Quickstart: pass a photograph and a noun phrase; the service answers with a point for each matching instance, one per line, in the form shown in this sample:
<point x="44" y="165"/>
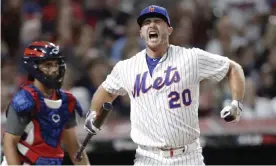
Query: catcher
<point x="41" y="116"/>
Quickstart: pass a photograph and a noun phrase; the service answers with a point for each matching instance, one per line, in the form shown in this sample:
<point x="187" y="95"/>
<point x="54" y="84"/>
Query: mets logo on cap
<point x="151" y="9"/>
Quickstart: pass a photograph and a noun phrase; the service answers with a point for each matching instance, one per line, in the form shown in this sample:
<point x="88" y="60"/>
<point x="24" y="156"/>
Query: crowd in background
<point x="95" y="34"/>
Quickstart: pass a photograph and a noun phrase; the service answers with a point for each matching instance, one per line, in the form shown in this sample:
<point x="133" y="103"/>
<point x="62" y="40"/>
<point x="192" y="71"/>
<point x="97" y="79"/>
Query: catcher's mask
<point x="41" y="51"/>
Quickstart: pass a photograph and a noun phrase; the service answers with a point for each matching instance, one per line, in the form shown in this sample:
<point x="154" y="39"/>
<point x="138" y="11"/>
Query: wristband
<point x="237" y="104"/>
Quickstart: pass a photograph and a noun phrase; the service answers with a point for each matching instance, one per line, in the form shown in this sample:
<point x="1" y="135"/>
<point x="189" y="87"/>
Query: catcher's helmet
<point x="40" y="51"/>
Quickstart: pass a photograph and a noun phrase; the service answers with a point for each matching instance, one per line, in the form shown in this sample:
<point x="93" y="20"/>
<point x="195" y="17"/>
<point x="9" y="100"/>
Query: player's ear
<point x="141" y="34"/>
<point x="170" y="30"/>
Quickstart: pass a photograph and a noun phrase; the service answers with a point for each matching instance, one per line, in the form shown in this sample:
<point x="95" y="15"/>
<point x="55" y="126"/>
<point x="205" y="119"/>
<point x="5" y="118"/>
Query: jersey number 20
<point x="174" y="98"/>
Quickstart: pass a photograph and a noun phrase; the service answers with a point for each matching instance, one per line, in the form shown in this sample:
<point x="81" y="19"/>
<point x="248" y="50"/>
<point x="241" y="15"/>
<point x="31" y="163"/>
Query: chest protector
<point x="41" y="141"/>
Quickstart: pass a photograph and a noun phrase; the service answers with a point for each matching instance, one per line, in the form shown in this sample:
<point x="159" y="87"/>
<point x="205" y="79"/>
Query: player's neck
<point x="42" y="88"/>
<point x="158" y="52"/>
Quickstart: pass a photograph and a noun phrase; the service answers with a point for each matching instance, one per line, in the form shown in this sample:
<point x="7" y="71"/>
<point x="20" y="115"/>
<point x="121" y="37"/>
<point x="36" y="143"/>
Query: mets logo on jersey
<point x="151" y="9"/>
<point x="175" y="98"/>
<point x="171" y="76"/>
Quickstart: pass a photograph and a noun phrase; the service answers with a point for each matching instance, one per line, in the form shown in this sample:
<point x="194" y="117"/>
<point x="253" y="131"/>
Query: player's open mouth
<point x="153" y="35"/>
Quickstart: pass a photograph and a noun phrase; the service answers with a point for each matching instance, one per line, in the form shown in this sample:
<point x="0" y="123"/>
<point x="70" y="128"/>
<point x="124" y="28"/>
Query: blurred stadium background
<point x="95" y="34"/>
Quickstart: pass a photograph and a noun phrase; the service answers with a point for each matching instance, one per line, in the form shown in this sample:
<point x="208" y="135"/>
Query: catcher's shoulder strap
<point x="73" y="103"/>
<point x="71" y="100"/>
<point x="35" y="98"/>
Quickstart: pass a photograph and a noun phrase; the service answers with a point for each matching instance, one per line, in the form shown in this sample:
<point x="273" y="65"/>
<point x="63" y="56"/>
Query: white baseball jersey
<point x="164" y="105"/>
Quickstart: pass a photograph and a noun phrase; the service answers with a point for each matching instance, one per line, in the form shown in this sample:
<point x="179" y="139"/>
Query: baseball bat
<point x="100" y="118"/>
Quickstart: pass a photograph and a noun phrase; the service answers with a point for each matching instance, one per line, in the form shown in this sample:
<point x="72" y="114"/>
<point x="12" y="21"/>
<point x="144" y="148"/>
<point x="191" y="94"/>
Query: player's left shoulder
<point x="180" y="49"/>
<point x="174" y="48"/>
<point x="179" y="52"/>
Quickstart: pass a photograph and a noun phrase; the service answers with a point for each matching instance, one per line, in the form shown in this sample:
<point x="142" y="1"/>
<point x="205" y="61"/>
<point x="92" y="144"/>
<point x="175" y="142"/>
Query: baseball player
<point x="162" y="82"/>
<point x="41" y="116"/>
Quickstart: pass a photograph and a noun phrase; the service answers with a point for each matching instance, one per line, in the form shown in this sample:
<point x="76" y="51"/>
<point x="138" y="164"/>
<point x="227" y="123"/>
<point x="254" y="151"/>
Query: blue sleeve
<point x="22" y="102"/>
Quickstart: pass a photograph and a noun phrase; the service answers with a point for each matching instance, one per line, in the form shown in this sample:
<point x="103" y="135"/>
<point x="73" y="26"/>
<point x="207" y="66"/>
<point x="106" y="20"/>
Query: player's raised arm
<point x="236" y="80"/>
<point x="107" y="92"/>
<point x="216" y="67"/>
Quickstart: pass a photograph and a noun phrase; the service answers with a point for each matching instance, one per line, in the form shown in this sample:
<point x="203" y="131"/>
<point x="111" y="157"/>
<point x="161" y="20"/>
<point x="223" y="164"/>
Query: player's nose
<point x="152" y="24"/>
<point x="54" y="70"/>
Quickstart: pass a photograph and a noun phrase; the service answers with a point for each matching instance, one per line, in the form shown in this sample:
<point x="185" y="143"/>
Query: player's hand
<point x="90" y="118"/>
<point x="232" y="112"/>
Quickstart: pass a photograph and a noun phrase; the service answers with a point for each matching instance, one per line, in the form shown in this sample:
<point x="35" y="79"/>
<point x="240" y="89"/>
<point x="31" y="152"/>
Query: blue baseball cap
<point x="154" y="11"/>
